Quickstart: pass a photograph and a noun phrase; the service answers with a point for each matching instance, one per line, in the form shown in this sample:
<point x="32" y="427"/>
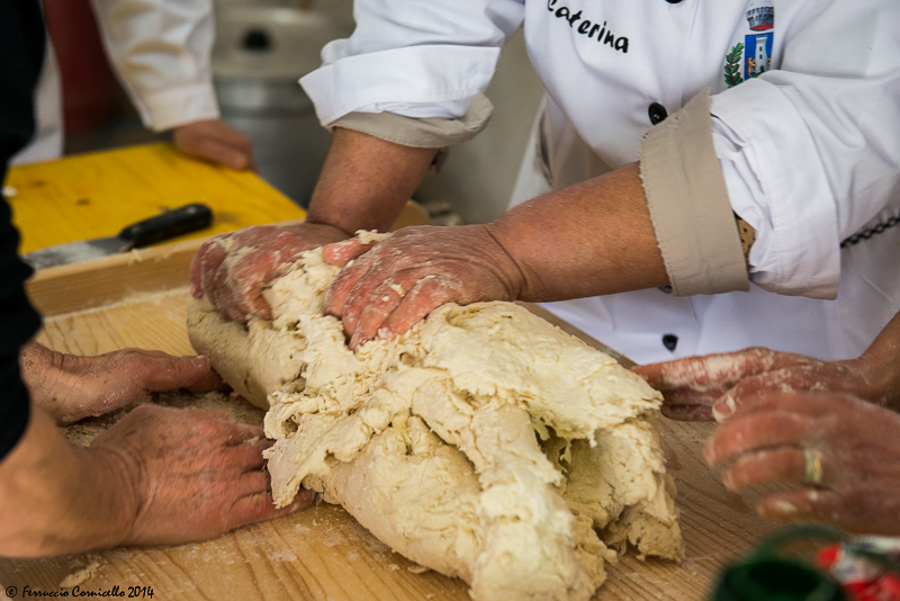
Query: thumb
<point x="341" y="253"/>
<point x="192" y="373"/>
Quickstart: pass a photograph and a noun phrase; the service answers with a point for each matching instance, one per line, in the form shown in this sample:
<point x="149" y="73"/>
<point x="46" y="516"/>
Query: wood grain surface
<point x="97" y="194"/>
<point x="322" y="553"/>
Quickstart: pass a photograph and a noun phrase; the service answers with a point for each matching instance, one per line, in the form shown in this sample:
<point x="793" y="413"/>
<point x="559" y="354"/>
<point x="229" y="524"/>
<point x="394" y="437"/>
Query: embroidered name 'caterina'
<point x="588" y="28"/>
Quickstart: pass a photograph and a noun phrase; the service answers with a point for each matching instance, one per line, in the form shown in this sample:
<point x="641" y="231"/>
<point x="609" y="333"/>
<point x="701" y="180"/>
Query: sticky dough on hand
<point x="485" y="443"/>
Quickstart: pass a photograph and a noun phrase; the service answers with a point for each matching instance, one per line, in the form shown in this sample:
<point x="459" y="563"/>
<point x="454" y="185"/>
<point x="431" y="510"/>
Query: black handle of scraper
<point x="172" y="223"/>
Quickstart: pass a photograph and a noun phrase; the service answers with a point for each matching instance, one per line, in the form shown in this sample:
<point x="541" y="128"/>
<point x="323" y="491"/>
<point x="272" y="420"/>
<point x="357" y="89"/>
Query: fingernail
<point x="728" y="481"/>
<point x="723" y="409"/>
<point x="782" y="509"/>
<point x="709" y="454"/>
<point x="354" y="342"/>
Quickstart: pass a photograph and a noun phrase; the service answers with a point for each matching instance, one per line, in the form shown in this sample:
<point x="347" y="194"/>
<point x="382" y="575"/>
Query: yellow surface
<point x="97" y="194"/>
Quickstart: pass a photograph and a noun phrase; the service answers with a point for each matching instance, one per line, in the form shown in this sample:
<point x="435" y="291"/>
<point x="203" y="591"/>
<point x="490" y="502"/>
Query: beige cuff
<point x="689" y="204"/>
<point x="422" y="133"/>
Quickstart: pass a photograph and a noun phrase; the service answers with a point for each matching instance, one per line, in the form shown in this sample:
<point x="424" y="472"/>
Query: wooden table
<point x="321" y="553"/>
<point x="97" y="194"/>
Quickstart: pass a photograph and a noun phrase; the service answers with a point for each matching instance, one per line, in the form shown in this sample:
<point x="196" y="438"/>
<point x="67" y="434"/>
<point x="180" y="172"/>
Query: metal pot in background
<point x="259" y="54"/>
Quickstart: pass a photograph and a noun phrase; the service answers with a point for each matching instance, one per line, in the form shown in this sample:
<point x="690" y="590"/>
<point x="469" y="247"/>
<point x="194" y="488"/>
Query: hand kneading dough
<point x="485" y="443"/>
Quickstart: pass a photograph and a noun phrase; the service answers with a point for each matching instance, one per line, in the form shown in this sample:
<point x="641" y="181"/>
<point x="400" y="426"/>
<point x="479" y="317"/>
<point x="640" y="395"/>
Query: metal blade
<point x="74" y="252"/>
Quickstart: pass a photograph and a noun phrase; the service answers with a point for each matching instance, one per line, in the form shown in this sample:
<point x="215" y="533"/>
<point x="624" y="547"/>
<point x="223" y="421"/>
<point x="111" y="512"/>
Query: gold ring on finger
<point x="812" y="471"/>
<point x="395" y="287"/>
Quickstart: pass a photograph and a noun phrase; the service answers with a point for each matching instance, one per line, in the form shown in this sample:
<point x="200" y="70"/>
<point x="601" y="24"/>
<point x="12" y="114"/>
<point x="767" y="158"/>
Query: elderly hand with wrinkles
<point x="215" y="141"/>
<point x="364" y="185"/>
<point x="232" y="270"/>
<point x="712" y="386"/>
<point x="840" y="454"/>
<point x="157" y="476"/>
<point x="387" y="287"/>
<point x="828" y="428"/>
<point x="72" y="387"/>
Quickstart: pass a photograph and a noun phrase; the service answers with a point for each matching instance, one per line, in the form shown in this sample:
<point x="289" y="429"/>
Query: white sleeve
<point x="161" y="51"/>
<point x="415" y="58"/>
<point x="811" y="152"/>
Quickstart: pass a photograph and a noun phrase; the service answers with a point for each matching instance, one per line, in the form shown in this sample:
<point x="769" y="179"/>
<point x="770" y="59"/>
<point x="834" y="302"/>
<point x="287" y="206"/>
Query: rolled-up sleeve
<point x="433" y="132"/>
<point x="161" y="51"/>
<point x="689" y="204"/>
<point x="421" y="59"/>
<point x="811" y="152"/>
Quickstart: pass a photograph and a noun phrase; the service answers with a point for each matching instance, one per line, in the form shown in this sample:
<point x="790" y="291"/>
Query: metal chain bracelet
<point x="866" y="234"/>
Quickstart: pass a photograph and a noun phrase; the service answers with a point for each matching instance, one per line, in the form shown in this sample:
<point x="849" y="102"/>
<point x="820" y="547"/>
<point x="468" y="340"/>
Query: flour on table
<point x="485" y="443"/>
<point x="84" y="571"/>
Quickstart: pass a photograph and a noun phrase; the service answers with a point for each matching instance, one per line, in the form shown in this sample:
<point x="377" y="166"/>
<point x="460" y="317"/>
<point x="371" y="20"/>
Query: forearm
<point x="880" y="366"/>
<point x="366" y="182"/>
<point x="56" y="498"/>
<point x="591" y="238"/>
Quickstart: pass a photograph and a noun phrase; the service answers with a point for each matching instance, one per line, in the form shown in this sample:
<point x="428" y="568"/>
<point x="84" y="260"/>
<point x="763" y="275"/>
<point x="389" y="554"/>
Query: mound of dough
<point x="485" y="443"/>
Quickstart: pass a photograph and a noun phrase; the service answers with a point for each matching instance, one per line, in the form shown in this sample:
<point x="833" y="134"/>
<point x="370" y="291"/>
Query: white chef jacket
<point x="805" y="114"/>
<point x="159" y="49"/>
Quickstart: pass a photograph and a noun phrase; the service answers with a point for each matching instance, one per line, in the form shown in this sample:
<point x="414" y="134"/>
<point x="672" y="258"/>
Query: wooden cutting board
<point x="321" y="553"/>
<point x="97" y="194"/>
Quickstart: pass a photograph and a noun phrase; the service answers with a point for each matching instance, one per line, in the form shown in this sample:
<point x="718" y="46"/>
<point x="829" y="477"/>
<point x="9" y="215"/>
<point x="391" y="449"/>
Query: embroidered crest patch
<point x="753" y="56"/>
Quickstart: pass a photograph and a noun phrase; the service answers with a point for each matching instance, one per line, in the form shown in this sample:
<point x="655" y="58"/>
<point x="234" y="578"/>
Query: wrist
<point x="880" y="378"/>
<point x="58" y="498"/>
<point x="507" y="268"/>
<point x="98" y="505"/>
<point x="365" y="181"/>
<point x="117" y="478"/>
<point x="327" y="231"/>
